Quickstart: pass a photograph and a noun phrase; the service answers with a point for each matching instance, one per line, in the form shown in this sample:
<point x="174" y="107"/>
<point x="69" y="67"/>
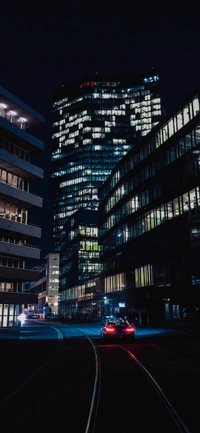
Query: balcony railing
<point x="15" y="150"/>
<point x="20" y="184"/>
<point x="16" y="218"/>
<point x="12" y="117"/>
<point x="17" y="242"/>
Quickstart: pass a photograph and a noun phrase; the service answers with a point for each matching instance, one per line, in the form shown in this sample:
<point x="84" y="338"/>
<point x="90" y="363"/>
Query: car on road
<point x="32" y="316"/>
<point x="118" y="329"/>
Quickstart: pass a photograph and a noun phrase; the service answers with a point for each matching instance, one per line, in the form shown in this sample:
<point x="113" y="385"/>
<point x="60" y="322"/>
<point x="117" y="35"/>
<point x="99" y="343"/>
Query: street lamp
<point x="105" y="306"/>
<point x="93" y="309"/>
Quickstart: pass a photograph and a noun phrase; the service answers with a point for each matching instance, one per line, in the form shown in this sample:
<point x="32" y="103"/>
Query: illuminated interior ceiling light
<point x="22" y="119"/>
<point x="3" y="105"/>
<point x="12" y="113"/>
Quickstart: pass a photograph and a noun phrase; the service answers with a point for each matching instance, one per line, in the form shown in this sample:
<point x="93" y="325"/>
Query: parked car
<point x="118" y="329"/>
<point x="31" y="315"/>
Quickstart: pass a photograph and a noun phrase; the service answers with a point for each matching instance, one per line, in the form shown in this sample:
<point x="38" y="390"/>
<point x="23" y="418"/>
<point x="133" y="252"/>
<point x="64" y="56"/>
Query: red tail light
<point x="130" y="329"/>
<point x="109" y="329"/>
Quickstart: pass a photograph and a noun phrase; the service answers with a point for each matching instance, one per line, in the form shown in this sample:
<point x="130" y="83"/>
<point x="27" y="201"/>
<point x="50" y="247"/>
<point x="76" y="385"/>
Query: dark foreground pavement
<point x="53" y="381"/>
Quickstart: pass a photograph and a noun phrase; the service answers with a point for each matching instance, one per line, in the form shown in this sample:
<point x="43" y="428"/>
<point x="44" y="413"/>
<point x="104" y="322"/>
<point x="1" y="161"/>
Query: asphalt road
<point x="41" y="330"/>
<point x="47" y="382"/>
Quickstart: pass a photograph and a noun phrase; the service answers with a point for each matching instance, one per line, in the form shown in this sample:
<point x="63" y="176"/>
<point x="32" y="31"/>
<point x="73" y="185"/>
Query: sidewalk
<point x="10" y="330"/>
<point x="177" y="324"/>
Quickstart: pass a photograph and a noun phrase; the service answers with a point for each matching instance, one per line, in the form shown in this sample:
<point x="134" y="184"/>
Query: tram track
<point x="179" y="424"/>
<point x="114" y="370"/>
<point x="13" y="402"/>
<point x="182" y="427"/>
<point x="171" y="416"/>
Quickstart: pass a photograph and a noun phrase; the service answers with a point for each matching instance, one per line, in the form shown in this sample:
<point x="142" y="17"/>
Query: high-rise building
<point x="17" y="175"/>
<point x="96" y="121"/>
<point x="149" y="227"/>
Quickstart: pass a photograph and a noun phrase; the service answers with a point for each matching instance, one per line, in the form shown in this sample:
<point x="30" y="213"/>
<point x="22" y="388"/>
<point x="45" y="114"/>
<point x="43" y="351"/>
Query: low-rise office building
<point x="47" y="285"/>
<point x="17" y="176"/>
<point x="149" y="221"/>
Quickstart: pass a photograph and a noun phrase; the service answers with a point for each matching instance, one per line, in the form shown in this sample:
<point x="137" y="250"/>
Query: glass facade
<point x="135" y="195"/>
<point x="149" y="220"/>
<point x="95" y="124"/>
<point x="79" y="255"/>
<point x="9" y="314"/>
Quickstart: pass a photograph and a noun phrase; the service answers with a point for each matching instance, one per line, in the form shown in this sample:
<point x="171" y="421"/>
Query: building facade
<point x="47" y="285"/>
<point x="96" y="121"/>
<point x="149" y="225"/>
<point x="17" y="175"/>
<point x="79" y="258"/>
<point x="149" y="221"/>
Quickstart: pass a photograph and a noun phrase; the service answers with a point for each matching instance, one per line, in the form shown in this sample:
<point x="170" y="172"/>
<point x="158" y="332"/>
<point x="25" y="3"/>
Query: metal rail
<point x="174" y="414"/>
<point x="91" y="421"/>
<point x="90" y="426"/>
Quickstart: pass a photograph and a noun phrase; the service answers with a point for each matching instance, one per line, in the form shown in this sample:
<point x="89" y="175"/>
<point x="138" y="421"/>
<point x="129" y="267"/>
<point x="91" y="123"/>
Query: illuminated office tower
<point x="96" y="121"/>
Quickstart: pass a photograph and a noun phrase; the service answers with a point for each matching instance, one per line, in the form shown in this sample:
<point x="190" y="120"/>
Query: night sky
<point x="45" y="46"/>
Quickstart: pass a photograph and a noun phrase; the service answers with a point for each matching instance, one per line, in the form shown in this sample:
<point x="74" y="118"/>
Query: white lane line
<point x="60" y="334"/>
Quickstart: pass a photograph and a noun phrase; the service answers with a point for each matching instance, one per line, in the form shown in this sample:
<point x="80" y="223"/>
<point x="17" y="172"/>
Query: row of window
<point x="16" y="287"/>
<point x="11" y="116"/>
<point x="106" y="150"/>
<point x="12" y="212"/>
<point x="11" y="262"/>
<point x="12" y="148"/>
<point x="73" y="119"/>
<point x="65" y="129"/>
<point x="90" y="267"/>
<point x="188" y="112"/>
<point x="160" y="274"/>
<point x="89" y="246"/>
<point x="77" y="292"/>
<point x="144" y="276"/>
<point x="88" y="231"/>
<point x="11" y="239"/>
<point x="9" y="314"/>
<point x="13" y="180"/>
<point x="157" y="216"/>
<point x="168" y="130"/>
<point x="150" y="169"/>
<point x="82" y="179"/>
<point x="117" y="93"/>
<point x="115" y="283"/>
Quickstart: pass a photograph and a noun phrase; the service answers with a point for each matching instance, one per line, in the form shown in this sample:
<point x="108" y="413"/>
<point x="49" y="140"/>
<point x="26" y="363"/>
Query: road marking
<point x="60" y="334"/>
